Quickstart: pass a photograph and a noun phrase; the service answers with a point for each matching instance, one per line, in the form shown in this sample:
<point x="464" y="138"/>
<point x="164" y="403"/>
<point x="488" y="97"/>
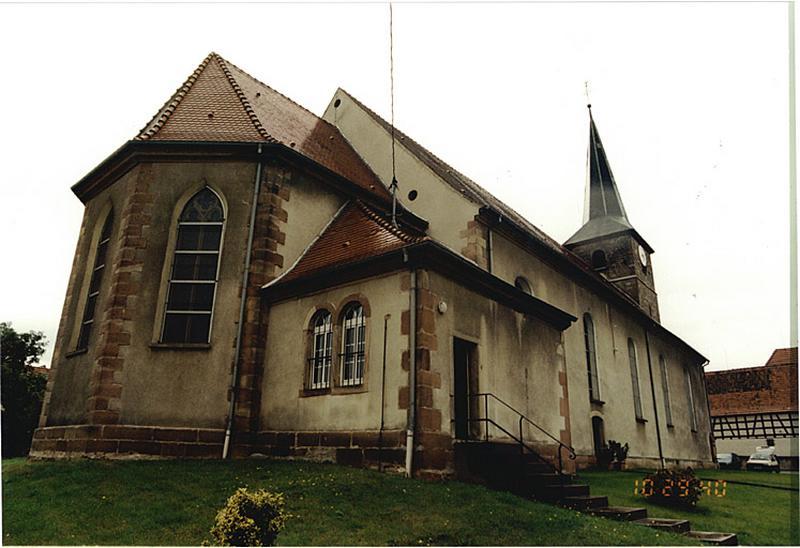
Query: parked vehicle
<point x="730" y="461"/>
<point x="763" y="460"/>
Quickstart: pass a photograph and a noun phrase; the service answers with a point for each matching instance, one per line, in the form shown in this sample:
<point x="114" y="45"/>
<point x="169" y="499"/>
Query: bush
<point x="250" y="519"/>
<point x="673" y="488"/>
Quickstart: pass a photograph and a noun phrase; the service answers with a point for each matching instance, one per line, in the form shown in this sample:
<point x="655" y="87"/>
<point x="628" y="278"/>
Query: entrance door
<point x="464" y="386"/>
<point x="599" y="435"/>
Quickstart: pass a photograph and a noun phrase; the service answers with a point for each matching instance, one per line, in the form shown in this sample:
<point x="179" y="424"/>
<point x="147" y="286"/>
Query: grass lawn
<point x="758" y="515"/>
<point x="174" y="503"/>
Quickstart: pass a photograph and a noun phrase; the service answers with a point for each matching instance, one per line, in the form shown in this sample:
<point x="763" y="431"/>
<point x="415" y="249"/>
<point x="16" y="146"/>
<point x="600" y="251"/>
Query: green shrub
<point x="673" y="488"/>
<point x="250" y="519"/>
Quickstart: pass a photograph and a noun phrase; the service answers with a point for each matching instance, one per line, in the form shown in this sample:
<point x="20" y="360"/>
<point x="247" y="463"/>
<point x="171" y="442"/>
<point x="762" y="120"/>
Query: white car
<point x="763" y="460"/>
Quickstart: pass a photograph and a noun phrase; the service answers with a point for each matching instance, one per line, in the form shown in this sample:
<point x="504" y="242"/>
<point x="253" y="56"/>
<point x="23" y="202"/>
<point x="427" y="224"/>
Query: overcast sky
<point x="691" y="101"/>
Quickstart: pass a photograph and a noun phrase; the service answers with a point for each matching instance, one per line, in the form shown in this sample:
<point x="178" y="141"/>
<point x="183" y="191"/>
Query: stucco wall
<point x="612" y="330"/>
<point x="447" y="210"/>
<point x="519" y="359"/>
<point x="70" y="383"/>
<point x="284" y="404"/>
<point x="167" y="387"/>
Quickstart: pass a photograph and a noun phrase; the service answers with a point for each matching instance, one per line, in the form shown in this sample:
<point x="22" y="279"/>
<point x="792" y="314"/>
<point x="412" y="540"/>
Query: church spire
<point x="604" y="213"/>
<point x="603" y="196"/>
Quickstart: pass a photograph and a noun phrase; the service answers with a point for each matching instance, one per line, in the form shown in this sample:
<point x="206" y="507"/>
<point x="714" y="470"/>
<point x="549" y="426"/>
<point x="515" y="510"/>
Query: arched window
<point x="599" y="260"/>
<point x="523" y="285"/>
<point x="637" y="396"/>
<point x="690" y="390"/>
<point x="94" y="285"/>
<point x="665" y="386"/>
<point x="598" y="435"/>
<point x="353" y="333"/>
<point x="319" y="364"/>
<point x="591" y="357"/>
<point x="195" y="265"/>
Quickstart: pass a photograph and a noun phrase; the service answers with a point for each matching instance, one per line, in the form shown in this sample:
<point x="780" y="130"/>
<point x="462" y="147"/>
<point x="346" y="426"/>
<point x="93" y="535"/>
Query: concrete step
<point x="545" y="479"/>
<point x="584" y="502"/>
<point x="558" y="492"/>
<point x="537" y="467"/>
<point x="672" y="525"/>
<point x="622" y="513"/>
<point x="718" y="539"/>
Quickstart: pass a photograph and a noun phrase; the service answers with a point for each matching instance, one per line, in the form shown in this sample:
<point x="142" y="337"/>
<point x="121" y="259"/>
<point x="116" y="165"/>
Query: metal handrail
<point x="522" y="418"/>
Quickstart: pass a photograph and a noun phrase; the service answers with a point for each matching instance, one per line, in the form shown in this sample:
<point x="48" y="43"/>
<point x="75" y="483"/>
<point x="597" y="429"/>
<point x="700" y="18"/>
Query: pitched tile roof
<point x="356" y="233"/>
<point x="768" y="388"/>
<point x="783" y="356"/>
<point x="219" y="102"/>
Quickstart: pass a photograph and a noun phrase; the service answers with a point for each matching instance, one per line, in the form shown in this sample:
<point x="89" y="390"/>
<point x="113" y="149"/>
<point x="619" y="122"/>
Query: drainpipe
<point x="383" y="392"/>
<point x="711" y="441"/>
<point x="489" y="249"/>
<point x="412" y="370"/>
<point x="653" y="393"/>
<point x="245" y="279"/>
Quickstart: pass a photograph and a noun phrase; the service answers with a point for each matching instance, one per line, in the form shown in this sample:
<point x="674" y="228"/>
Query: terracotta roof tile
<point x="767" y="388"/>
<point x="356" y="233"/>
<point x="220" y="102"/>
<point x="206" y="108"/>
<point x="783" y="356"/>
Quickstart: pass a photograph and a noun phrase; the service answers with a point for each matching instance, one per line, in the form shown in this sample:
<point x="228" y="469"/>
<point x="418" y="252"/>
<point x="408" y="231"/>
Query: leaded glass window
<point x="94" y="285"/>
<point x="637" y="396"/>
<point x="591" y="357"/>
<point x="353" y="334"/>
<point x="195" y="266"/>
<point x="665" y="384"/>
<point x="319" y="372"/>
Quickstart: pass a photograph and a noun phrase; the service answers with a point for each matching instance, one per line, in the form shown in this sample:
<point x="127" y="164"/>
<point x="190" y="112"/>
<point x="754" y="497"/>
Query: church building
<point x="248" y="280"/>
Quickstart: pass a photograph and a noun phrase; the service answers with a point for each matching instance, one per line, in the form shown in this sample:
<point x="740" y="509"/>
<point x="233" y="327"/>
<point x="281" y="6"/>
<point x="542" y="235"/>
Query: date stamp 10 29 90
<point x="680" y="488"/>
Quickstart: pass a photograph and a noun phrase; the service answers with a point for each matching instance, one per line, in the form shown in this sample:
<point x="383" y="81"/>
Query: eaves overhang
<point x="574" y="267"/>
<point x="428" y="255"/>
<point x="134" y="152"/>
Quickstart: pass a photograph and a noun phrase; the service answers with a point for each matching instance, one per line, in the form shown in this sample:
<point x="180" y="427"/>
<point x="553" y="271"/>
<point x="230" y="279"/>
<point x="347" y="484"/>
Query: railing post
<point x="486" y="416"/>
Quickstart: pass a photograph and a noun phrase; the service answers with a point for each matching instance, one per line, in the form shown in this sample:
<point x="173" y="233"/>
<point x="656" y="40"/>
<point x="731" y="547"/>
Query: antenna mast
<point x="393" y="186"/>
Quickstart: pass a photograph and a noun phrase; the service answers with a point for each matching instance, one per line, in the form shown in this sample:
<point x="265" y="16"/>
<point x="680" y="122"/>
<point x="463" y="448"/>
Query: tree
<point x="22" y="388"/>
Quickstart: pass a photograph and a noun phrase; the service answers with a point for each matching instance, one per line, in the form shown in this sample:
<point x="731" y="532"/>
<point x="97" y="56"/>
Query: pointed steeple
<point x="604" y="213"/>
<point x="604" y="199"/>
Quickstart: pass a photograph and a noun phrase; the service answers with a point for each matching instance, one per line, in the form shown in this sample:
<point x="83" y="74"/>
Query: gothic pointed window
<point x="591" y="357"/>
<point x="690" y="391"/>
<point x="319" y="364"/>
<point x="195" y="266"/>
<point x="637" y="395"/>
<point x="353" y="339"/>
<point x="98" y="270"/>
<point x="665" y="387"/>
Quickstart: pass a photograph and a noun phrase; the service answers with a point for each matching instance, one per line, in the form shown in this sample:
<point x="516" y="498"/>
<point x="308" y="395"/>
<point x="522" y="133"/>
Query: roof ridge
<point x="157" y="122"/>
<point x="386" y="224"/>
<point x="223" y="64"/>
<point x="279" y="93"/>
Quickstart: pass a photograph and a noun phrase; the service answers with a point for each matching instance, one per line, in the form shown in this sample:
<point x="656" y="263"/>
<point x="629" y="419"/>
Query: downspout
<point x="245" y="280"/>
<point x="412" y="369"/>
<point x="653" y="394"/>
<point x="711" y="442"/>
<point x="489" y="249"/>
<point x="383" y="392"/>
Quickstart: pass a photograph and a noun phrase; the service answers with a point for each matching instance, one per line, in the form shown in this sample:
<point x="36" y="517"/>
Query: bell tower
<point x="607" y="240"/>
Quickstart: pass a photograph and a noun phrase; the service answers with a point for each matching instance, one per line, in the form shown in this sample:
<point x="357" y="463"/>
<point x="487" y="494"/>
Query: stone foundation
<point x="120" y="441"/>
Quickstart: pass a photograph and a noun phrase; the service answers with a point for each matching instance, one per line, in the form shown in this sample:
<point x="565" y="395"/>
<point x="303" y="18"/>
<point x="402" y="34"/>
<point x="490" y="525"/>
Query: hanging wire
<point x="393" y="186"/>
